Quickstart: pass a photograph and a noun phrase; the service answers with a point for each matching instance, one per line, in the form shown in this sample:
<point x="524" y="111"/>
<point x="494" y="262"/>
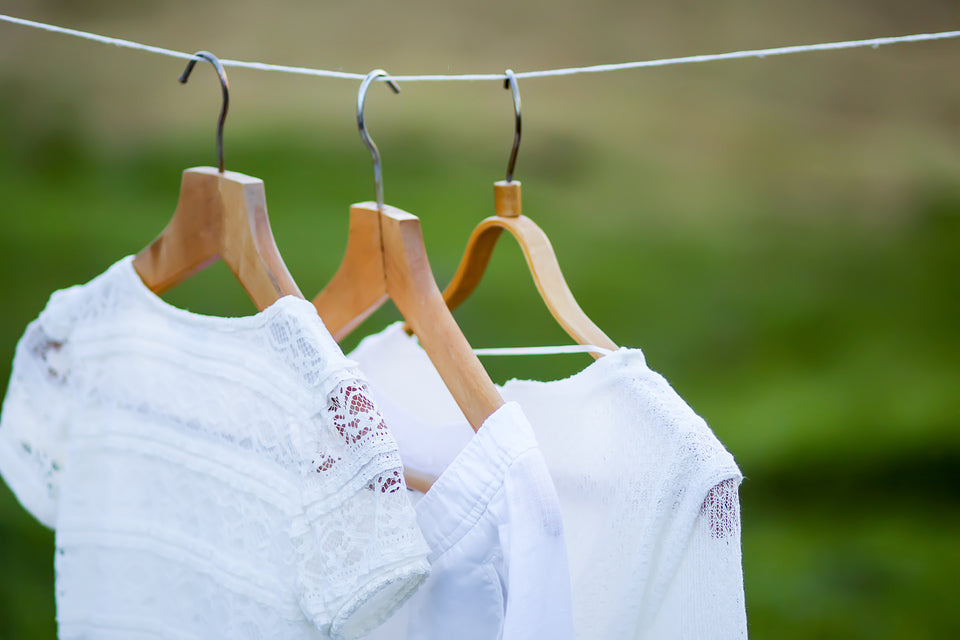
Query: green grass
<point x="853" y="572"/>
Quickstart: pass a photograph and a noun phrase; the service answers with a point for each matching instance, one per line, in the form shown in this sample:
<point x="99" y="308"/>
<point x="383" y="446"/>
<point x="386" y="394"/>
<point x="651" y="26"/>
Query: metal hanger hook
<point x="511" y="83"/>
<point x="225" y="88"/>
<point x="367" y="140"/>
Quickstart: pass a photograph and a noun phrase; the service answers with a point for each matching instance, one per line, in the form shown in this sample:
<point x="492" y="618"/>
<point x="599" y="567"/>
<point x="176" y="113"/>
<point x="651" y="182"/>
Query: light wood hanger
<point x="536" y="247"/>
<point x="359" y="286"/>
<point x="541" y="260"/>
<point x="220" y="214"/>
<point x="385" y="257"/>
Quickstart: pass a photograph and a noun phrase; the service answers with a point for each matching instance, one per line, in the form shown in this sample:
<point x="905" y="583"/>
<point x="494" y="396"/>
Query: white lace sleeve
<point x="705" y="598"/>
<point x="33" y="425"/>
<point x="361" y="553"/>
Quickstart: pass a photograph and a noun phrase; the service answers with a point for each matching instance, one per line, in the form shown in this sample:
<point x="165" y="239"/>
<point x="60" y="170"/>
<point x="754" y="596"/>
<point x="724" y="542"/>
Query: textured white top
<point x="647" y="492"/>
<point x="499" y="566"/>
<point x="207" y="477"/>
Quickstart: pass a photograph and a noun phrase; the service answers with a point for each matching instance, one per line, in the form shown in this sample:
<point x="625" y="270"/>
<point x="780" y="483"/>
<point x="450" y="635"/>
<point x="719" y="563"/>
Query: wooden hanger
<point x="220" y="214"/>
<point x="541" y="259"/>
<point x="385" y="257"/>
<point x="359" y="287"/>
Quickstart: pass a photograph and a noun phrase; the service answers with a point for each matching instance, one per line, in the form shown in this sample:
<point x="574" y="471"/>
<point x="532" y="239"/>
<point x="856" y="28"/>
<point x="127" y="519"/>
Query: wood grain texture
<point x="359" y="286"/>
<point x="218" y="215"/>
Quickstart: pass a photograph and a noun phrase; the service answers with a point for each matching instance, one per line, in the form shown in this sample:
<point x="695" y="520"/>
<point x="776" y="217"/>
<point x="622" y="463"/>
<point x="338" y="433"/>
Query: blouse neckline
<point x="184" y="316"/>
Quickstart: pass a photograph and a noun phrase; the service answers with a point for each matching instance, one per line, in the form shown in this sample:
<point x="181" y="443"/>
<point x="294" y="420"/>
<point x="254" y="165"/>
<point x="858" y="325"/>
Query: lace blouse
<point x="207" y="477"/>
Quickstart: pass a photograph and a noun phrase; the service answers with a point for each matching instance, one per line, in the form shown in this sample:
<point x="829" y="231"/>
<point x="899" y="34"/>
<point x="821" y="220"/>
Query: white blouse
<point x="499" y="562"/>
<point x="207" y="477"/>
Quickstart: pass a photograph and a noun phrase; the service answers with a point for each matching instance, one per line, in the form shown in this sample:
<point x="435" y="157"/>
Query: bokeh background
<point x="781" y="237"/>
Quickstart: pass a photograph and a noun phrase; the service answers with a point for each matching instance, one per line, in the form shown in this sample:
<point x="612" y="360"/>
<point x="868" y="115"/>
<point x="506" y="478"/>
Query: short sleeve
<point x="34" y="421"/>
<point x="360" y="551"/>
<point x="705" y="597"/>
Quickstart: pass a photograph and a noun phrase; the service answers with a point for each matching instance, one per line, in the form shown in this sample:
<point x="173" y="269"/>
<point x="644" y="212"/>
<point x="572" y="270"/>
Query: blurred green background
<point x="781" y="237"/>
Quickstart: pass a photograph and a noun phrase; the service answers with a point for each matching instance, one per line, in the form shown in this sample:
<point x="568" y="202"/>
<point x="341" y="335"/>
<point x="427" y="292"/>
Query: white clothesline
<point x="754" y="53"/>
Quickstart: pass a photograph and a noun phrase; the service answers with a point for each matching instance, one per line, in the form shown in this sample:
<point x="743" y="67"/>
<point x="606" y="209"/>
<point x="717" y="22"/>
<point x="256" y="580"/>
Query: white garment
<point x="207" y="477"/>
<point x="648" y="494"/>
<point x="499" y="568"/>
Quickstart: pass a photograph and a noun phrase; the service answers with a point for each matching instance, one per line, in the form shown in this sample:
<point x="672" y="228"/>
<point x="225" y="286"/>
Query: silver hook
<point x="361" y="97"/>
<point x="511" y="83"/>
<point x="225" y="88"/>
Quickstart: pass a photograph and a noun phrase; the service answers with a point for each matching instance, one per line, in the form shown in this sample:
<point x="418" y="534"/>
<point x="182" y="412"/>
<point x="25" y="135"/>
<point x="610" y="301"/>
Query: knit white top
<point x="648" y="494"/>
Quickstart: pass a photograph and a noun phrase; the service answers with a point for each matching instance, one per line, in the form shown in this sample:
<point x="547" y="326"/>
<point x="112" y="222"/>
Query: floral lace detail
<point x="391" y="482"/>
<point x="354" y="415"/>
<point x="358" y="449"/>
<point x="356" y="418"/>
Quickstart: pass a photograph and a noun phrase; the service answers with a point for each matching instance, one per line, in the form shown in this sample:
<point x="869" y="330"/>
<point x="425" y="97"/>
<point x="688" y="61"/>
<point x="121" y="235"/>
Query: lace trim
<point x="359" y="424"/>
<point x="722" y="509"/>
<point x="375" y="601"/>
<point x="35" y="409"/>
<point x="354" y="415"/>
<point x="379" y="546"/>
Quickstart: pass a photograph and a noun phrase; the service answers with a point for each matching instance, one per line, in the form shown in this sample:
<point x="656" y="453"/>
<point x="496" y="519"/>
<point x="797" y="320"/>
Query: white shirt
<point x="499" y="568"/>
<point x="206" y="477"/>
<point x="648" y="494"/>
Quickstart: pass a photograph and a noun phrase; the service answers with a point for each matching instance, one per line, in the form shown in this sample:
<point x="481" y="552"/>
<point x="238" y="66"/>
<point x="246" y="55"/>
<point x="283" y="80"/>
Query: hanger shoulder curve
<point x="359" y="286"/>
<point x="543" y="265"/>
<point x="218" y="215"/>
<point x="411" y="285"/>
<point x="191" y="239"/>
<point x="248" y="246"/>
